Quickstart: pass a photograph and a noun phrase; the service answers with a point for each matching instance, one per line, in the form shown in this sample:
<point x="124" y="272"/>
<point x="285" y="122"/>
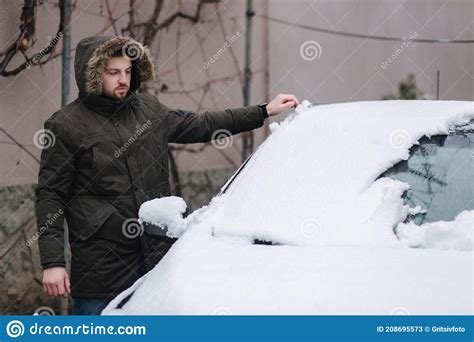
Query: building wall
<point x="348" y="69"/>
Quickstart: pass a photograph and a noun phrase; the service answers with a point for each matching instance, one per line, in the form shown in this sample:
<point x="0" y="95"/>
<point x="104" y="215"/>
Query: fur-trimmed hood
<point x="91" y="57"/>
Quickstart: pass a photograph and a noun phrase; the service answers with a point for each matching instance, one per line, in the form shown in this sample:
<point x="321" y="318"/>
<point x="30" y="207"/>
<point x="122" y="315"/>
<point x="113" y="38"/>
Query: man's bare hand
<point x="56" y="281"/>
<point x="281" y="103"/>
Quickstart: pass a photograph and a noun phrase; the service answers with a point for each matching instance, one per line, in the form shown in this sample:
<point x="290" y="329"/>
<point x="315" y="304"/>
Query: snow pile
<point x="455" y="234"/>
<point x="165" y="212"/>
<point x="312" y="182"/>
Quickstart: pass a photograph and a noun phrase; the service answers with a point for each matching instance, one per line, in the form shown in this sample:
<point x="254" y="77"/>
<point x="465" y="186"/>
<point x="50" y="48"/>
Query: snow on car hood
<point x="313" y="180"/>
<point x="205" y="275"/>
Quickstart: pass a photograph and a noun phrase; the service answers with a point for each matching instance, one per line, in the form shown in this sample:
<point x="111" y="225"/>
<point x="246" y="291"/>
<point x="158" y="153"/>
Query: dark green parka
<point x="105" y="158"/>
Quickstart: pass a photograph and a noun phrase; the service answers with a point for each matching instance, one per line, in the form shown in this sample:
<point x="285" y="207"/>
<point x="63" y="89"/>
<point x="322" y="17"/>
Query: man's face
<point x="116" y="77"/>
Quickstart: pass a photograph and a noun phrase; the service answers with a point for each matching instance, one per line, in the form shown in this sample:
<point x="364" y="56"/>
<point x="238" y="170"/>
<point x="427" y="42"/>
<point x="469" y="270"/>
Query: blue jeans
<point x="88" y="306"/>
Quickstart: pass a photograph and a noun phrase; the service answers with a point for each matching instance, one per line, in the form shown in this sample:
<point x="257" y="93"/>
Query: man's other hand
<point x="56" y="281"/>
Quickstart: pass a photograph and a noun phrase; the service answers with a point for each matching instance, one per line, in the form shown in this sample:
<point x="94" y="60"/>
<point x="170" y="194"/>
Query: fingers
<point x="288" y="105"/>
<point x="55" y="290"/>
<point x="67" y="284"/>
<point x="60" y="288"/>
<point x="49" y="290"/>
<point x="282" y="102"/>
<point x="289" y="97"/>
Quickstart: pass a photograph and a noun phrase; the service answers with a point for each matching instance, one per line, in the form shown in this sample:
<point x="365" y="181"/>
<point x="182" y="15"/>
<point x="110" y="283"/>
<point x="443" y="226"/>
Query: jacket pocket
<point x="97" y="221"/>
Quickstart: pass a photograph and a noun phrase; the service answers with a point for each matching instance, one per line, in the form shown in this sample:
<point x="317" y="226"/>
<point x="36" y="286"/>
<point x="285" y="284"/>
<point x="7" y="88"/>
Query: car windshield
<point x="439" y="172"/>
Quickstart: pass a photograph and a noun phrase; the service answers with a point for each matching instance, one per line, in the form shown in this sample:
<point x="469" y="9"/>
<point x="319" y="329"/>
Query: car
<point x="360" y="208"/>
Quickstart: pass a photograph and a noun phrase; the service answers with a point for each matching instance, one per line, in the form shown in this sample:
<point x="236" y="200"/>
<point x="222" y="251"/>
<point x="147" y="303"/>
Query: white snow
<point x="311" y="187"/>
<point x="165" y="212"/>
<point x="312" y="182"/>
<point x="207" y="275"/>
<point x="455" y="234"/>
<point x="416" y="210"/>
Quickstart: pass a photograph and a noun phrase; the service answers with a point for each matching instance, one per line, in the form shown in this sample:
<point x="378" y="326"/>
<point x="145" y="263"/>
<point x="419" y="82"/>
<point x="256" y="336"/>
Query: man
<point x="109" y="155"/>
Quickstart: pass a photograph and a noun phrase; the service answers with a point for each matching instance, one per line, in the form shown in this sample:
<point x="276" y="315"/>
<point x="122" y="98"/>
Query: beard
<point x="120" y="92"/>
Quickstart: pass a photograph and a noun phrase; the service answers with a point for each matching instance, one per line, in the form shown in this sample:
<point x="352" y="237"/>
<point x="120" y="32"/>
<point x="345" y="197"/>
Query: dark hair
<point x="118" y="53"/>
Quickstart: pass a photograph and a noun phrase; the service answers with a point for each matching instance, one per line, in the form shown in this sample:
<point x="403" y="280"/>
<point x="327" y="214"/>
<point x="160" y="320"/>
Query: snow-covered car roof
<point x="313" y="189"/>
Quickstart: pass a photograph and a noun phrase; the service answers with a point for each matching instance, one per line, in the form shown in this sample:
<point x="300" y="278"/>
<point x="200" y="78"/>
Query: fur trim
<point x="130" y="47"/>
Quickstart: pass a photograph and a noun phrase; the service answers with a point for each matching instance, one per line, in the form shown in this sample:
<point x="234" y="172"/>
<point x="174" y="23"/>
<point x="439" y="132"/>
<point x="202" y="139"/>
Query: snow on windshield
<point x="313" y="181"/>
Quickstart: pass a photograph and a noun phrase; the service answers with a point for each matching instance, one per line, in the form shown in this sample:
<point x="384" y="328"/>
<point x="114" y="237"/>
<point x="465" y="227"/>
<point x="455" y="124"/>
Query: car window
<point x="440" y="173"/>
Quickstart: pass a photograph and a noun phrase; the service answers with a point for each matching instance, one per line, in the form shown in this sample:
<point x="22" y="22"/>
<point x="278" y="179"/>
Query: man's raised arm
<point x="189" y="127"/>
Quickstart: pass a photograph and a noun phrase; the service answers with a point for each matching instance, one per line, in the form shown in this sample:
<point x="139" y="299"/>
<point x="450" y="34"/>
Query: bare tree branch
<point x="26" y="39"/>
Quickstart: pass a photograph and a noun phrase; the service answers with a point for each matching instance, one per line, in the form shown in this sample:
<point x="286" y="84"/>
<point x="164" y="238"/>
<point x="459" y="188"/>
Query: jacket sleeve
<point x="188" y="127"/>
<point x="54" y="180"/>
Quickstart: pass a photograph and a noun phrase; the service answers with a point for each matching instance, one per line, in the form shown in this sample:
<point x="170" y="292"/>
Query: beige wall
<point x="347" y="70"/>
